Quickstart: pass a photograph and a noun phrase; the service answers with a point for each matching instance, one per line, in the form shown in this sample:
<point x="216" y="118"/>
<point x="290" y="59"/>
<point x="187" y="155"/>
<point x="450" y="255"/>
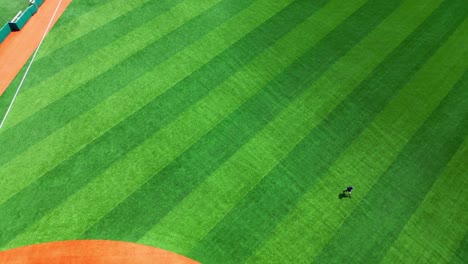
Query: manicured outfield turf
<point x="9" y="8"/>
<point x="225" y="130"/>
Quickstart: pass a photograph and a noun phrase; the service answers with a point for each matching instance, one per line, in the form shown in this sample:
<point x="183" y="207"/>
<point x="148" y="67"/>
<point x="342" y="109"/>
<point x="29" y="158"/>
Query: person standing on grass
<point x="348" y="190"/>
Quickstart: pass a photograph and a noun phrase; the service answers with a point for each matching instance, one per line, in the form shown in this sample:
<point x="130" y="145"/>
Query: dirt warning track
<point x="16" y="49"/>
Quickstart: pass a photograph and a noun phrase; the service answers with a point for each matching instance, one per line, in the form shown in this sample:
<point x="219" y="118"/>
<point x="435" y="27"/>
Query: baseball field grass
<point x="9" y="8"/>
<point x="226" y="130"/>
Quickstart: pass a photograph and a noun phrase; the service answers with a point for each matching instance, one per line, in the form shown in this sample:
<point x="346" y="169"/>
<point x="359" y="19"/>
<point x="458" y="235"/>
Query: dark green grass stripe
<point x="255" y="217"/>
<point x="168" y="187"/>
<point x="87" y="44"/>
<point x="461" y="255"/>
<point x="396" y="196"/>
<point x="110" y="82"/>
<point x="44" y="194"/>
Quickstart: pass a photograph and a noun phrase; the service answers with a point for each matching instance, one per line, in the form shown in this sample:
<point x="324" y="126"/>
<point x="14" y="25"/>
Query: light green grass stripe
<point x="65" y="33"/>
<point x="159" y="150"/>
<point x="49" y="152"/>
<point x="103" y="59"/>
<point x="378" y="145"/>
<point x="441" y="217"/>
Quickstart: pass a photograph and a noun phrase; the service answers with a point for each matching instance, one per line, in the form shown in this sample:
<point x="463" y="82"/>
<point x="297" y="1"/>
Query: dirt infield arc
<point x="16" y="49"/>
<point x="91" y="251"/>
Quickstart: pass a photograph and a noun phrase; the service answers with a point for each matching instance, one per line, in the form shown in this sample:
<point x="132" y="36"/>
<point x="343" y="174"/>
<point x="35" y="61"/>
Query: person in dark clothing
<point x="348" y="191"/>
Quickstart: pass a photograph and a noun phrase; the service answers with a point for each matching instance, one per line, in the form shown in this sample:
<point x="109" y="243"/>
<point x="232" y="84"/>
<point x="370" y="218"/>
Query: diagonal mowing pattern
<point x="45" y="155"/>
<point x="104" y="151"/>
<point x="45" y="121"/>
<point x="104" y="59"/>
<point x="273" y="196"/>
<point x="165" y="145"/>
<point x="160" y="231"/>
<point x="385" y="137"/>
<point x="164" y="191"/>
<point x="220" y="195"/>
<point x="148" y="99"/>
<point x="292" y="15"/>
<point x="68" y="31"/>
<point x="87" y="44"/>
<point x="399" y="191"/>
<point x="41" y="206"/>
<point x="447" y="196"/>
<point x="240" y="231"/>
<point x="221" y="90"/>
<point x="357" y="162"/>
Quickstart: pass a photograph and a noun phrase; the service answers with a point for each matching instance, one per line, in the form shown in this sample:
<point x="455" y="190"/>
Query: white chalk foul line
<point x="30" y="63"/>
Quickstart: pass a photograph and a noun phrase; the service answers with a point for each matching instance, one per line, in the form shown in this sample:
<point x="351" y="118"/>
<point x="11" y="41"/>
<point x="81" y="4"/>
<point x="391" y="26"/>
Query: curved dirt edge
<point x="91" y="251"/>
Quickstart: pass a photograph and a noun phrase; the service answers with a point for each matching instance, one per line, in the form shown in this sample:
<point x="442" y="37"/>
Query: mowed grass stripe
<point x="166" y="188"/>
<point x="94" y="40"/>
<point x="146" y="152"/>
<point x="103" y="59"/>
<point x="254" y="218"/>
<point x="301" y="226"/>
<point x="399" y="191"/>
<point x="47" y="120"/>
<point x="76" y="27"/>
<point x="436" y="229"/>
<point x="50" y="152"/>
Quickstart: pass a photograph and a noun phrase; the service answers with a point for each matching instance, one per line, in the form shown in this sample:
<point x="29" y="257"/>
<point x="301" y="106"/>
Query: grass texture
<point x="9" y="8"/>
<point x="226" y="130"/>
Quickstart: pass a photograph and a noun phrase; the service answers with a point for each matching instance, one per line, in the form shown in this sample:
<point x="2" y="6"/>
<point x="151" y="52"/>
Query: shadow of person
<point x="342" y="195"/>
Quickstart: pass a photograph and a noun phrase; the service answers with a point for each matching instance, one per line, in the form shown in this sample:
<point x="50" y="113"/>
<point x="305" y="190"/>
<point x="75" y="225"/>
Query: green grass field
<point x="9" y="8"/>
<point x="225" y="130"/>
